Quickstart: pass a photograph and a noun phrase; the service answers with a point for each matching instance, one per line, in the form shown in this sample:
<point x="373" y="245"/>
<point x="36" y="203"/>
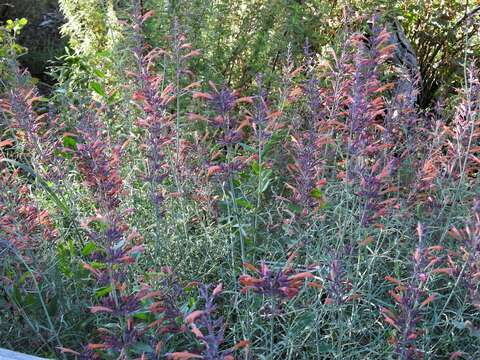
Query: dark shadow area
<point x="41" y="36"/>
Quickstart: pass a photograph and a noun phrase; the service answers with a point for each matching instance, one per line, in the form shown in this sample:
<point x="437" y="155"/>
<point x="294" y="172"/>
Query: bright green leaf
<point x="103" y="291"/>
<point x="95" y="86"/>
<point x="89" y="248"/>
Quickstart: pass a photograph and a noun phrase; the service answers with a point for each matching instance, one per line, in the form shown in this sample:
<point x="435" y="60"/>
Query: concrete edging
<point x="12" y="355"/>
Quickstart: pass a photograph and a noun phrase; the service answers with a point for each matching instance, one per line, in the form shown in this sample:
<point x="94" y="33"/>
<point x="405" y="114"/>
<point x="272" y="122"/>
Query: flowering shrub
<point x="118" y="206"/>
<point x="283" y="284"/>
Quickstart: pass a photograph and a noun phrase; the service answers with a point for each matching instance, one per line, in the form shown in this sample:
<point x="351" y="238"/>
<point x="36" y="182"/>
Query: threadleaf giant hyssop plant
<point x="305" y="207"/>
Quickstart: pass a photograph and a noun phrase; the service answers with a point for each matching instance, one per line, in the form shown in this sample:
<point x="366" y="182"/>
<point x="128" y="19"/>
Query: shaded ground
<point x="41" y="36"/>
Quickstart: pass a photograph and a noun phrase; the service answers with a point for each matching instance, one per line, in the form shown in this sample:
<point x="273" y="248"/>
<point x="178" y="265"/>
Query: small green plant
<point x="10" y="50"/>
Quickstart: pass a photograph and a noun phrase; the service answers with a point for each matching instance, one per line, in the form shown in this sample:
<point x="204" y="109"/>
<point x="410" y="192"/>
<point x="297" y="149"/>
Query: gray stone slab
<point x="12" y="355"/>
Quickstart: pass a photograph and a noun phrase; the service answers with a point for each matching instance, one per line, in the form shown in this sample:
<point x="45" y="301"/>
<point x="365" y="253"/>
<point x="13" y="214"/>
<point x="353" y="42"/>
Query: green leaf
<point x="142" y="316"/>
<point x="98" y="265"/>
<point x="265" y="185"/>
<point x="10" y="24"/>
<point x="294" y="208"/>
<point x="69" y="142"/>
<point x="277" y="137"/>
<point x="64" y="254"/>
<point x="256" y="168"/>
<point x="22" y="278"/>
<point x="95" y="86"/>
<point x="316" y="193"/>
<point x="99" y="73"/>
<point x="266" y="179"/>
<point x="89" y="248"/>
<point x="103" y="291"/>
<point x="245" y="203"/>
<point x="31" y="301"/>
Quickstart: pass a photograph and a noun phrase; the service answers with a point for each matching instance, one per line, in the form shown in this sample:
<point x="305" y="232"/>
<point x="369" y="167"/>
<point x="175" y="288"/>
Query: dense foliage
<point x="244" y="180"/>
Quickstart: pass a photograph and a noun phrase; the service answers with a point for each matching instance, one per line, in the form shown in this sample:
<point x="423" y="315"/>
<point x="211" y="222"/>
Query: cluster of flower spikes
<point x="208" y="329"/>
<point x="411" y="297"/>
